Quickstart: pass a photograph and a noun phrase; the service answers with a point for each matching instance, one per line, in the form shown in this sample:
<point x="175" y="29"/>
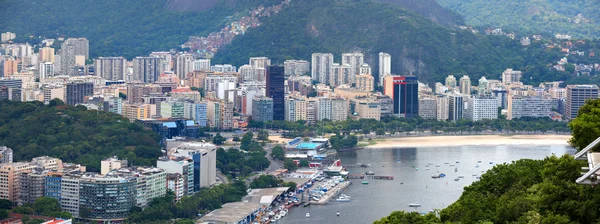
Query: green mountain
<point x="129" y="28"/>
<point x="578" y="18"/>
<point x="417" y="45"/>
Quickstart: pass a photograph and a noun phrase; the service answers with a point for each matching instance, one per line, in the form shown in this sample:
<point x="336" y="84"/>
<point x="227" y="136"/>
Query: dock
<point x="373" y="177"/>
<point x="332" y="193"/>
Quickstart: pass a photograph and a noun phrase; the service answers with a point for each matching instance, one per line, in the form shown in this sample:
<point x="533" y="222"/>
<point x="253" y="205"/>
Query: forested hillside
<point x="417" y="45"/>
<point x="128" y="28"/>
<point x="579" y="18"/>
<point x="74" y="134"/>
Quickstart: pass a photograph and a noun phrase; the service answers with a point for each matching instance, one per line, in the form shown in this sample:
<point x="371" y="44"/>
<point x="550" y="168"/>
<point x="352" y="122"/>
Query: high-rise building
<point x="365" y="82"/>
<point x="576" y="97"/>
<point x="171" y="109"/>
<point x="77" y="91"/>
<point x="483" y="87"/>
<point x="10" y="67"/>
<point x="111" y="68"/>
<point x="204" y="157"/>
<point x="355" y="60"/>
<point x="262" y="109"/>
<point x="46" y="70"/>
<point x="275" y="89"/>
<point x="73" y="53"/>
<point x="176" y="184"/>
<point x="450" y="82"/>
<point x="385" y="66"/>
<point x="183" y="166"/>
<point x="112" y="163"/>
<point x="167" y="60"/>
<point x="6" y="155"/>
<point x="465" y="85"/>
<point x="202" y="65"/>
<point x="147" y="69"/>
<point x="220" y="114"/>
<point x="428" y="108"/>
<point x="365" y="69"/>
<point x="365" y="108"/>
<point x="481" y="107"/>
<point x="46" y="54"/>
<point x="10" y="176"/>
<point x="260" y="62"/>
<point x="106" y="198"/>
<point x="151" y="182"/>
<point x="296" y="67"/>
<point x="138" y="111"/>
<point x="8" y="36"/>
<point x="196" y="111"/>
<point x="529" y="106"/>
<point x="223" y="68"/>
<point x="321" y="67"/>
<point x="455" y="107"/>
<point x="510" y="76"/>
<point x="334" y="109"/>
<point x="442" y="107"/>
<point x="404" y="90"/>
<point x="184" y="63"/>
<point x="296" y="109"/>
<point x="54" y="92"/>
<point x="113" y="105"/>
<point x="340" y="74"/>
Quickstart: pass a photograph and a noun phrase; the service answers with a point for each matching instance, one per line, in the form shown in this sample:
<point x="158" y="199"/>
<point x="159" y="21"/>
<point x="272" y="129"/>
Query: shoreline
<point x="460" y="140"/>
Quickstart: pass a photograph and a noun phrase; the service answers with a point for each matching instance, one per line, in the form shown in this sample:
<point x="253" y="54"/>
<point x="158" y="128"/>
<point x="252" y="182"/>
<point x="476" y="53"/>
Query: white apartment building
<point x="321" y="67"/>
<point x="529" y="106"/>
<point x="385" y="66"/>
<point x="481" y="107"/>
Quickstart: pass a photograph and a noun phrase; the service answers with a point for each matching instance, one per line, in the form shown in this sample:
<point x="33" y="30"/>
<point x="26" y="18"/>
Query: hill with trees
<point x="74" y="134"/>
<point x="577" y="18"/>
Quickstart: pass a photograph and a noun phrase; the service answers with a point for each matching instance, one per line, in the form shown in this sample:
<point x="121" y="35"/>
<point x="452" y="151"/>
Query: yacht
<point x="414" y="205"/>
<point x="307" y="215"/>
<point x="346" y="196"/>
<point x="342" y="198"/>
<point x="338" y="213"/>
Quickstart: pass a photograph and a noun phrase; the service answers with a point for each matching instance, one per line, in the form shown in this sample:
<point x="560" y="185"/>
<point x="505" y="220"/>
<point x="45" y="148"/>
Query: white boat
<point x="346" y="196"/>
<point x="342" y="199"/>
<point x="307" y="215"/>
<point x="283" y="213"/>
<point x="338" y="213"/>
<point x="427" y="168"/>
<point x="277" y="217"/>
<point x="414" y="205"/>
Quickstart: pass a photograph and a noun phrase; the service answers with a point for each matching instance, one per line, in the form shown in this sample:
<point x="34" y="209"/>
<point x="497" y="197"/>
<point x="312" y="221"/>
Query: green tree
<point x="290" y="165"/>
<point x="304" y="163"/>
<point x="263" y="135"/>
<point x="218" y="139"/>
<point x="246" y="140"/>
<point x="3" y="214"/>
<point x="585" y="126"/>
<point x="408" y="217"/>
<point x="278" y="153"/>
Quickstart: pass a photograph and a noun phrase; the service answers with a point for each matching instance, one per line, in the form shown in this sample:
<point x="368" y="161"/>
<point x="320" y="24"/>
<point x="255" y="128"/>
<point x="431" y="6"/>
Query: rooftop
<point x="257" y="196"/>
<point x="231" y="212"/>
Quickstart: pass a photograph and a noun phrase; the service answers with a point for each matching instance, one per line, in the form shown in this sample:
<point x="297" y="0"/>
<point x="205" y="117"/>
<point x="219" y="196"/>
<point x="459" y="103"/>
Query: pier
<point x="332" y="193"/>
<point x="373" y="177"/>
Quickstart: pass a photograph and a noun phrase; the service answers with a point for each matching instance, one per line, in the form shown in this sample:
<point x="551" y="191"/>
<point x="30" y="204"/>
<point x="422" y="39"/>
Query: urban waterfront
<point x="413" y="182"/>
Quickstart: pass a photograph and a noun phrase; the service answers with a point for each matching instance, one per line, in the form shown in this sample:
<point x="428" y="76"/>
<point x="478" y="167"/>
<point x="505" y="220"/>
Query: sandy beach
<point x="432" y="141"/>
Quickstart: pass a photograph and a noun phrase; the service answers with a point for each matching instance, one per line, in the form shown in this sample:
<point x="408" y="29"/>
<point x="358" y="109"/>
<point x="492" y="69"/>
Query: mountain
<point x="129" y="28"/>
<point x="579" y="18"/>
<point x="429" y="9"/>
<point x="417" y="45"/>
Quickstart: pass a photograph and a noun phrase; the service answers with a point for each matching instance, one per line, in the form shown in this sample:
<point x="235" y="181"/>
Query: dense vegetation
<point x="269" y="181"/>
<point x="416" y="44"/>
<point x="43" y="206"/>
<point x="162" y="210"/>
<point x="532" y="16"/>
<point x="116" y="28"/>
<point x="393" y="125"/>
<point x="74" y="134"/>
<point x="241" y="163"/>
<point x="585" y="125"/>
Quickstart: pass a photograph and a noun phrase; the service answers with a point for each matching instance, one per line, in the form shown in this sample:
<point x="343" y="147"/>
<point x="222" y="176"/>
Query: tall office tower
<point x="481" y="107"/>
<point x="365" y="82"/>
<point x="510" y="76"/>
<point x="442" y="107"/>
<point x="77" y="91"/>
<point x="276" y="90"/>
<point x="339" y="74"/>
<point x="202" y="65"/>
<point x="46" y="70"/>
<point x="184" y="63"/>
<point x="321" y="67"/>
<point x="385" y="66"/>
<point x="455" y="107"/>
<point x="576" y="97"/>
<point x="260" y="62"/>
<point x="450" y="81"/>
<point x="404" y="90"/>
<point x="111" y="68"/>
<point x="296" y="67"/>
<point x="483" y="87"/>
<point x="262" y="109"/>
<point x="355" y="60"/>
<point x="167" y="62"/>
<point x="465" y="85"/>
<point x="46" y="54"/>
<point x="147" y="69"/>
<point x="73" y="53"/>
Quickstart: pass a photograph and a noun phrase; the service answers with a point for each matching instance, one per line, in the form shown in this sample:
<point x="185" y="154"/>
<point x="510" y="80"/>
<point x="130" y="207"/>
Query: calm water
<point x="381" y="197"/>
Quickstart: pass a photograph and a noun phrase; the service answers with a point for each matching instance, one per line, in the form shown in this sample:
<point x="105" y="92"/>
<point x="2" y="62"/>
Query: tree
<point x="266" y="181"/>
<point x="408" y="217"/>
<point x="278" y="153"/>
<point x="218" y="139"/>
<point x="246" y="140"/>
<point x="263" y="135"/>
<point x="585" y="126"/>
<point x="3" y="214"/>
<point x="290" y="165"/>
<point x="45" y="205"/>
<point x="304" y="163"/>
<point x="123" y="96"/>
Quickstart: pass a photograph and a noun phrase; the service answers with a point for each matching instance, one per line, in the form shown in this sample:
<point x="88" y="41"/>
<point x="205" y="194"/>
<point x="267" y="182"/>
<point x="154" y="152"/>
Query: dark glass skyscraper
<point x="276" y="91"/>
<point x="404" y="90"/>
